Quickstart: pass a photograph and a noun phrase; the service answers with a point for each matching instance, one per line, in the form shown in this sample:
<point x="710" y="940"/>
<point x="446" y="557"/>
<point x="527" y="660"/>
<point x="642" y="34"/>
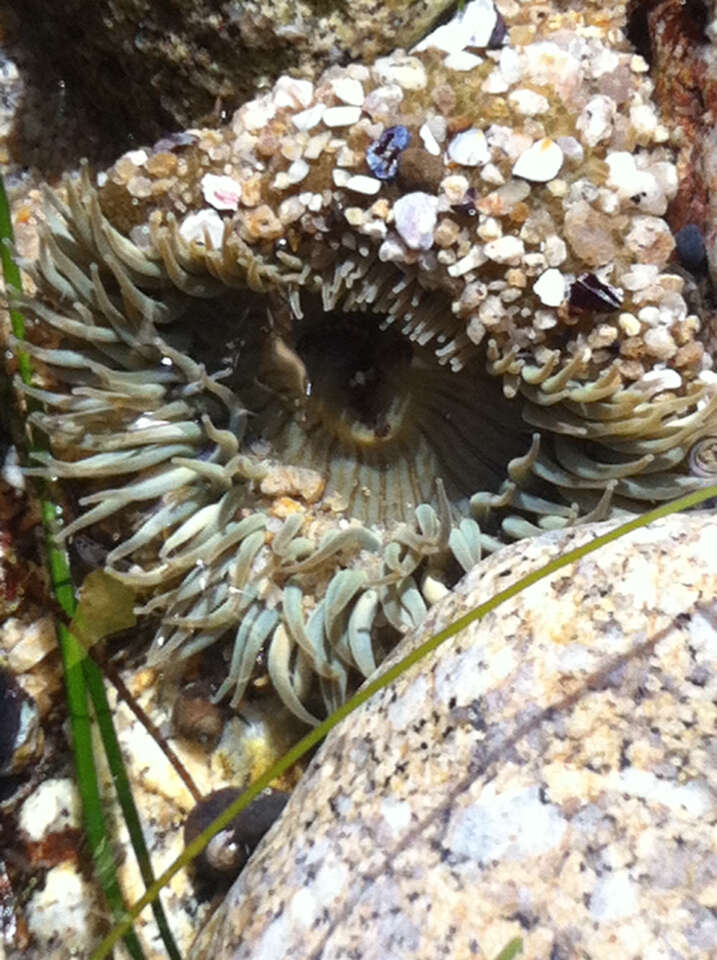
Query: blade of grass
<point x="82" y="674"/>
<point x="96" y="686"/>
<point x="316" y="735"/>
<point x="95" y="827"/>
<point x="511" y="950"/>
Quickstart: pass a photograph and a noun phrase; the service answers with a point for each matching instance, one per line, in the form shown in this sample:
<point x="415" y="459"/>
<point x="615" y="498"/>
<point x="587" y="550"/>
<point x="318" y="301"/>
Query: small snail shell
<point x="227" y="852"/>
<point x="703" y="458"/>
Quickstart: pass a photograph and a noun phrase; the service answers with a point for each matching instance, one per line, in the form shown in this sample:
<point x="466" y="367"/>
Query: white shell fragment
<point x="462" y="61"/>
<point x="550" y="287"/>
<point x="341" y="116"/>
<point x="348" y="90"/>
<point x="469" y="148"/>
<point x="429" y="141"/>
<point x="415" y="216"/>
<point x="360" y="183"/>
<point x="297" y="171"/>
<point x="308" y="119"/>
<point x="528" y="103"/>
<point x="222" y="193"/>
<point x="540" y="162"/>
<point x="471" y="27"/>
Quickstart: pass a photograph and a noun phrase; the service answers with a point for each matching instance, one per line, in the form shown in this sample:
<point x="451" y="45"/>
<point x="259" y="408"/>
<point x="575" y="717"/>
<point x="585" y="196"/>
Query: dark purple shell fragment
<point x="468" y="204"/>
<point x="383" y="155"/>
<point x="590" y="293"/>
<point x="499" y="34"/>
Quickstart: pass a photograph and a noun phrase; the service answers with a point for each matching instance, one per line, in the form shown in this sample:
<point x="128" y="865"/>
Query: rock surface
<point x="133" y="68"/>
<point x="549" y="773"/>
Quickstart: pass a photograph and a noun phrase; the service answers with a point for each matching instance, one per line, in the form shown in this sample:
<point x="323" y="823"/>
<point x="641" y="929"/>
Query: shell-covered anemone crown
<point x="312" y="364"/>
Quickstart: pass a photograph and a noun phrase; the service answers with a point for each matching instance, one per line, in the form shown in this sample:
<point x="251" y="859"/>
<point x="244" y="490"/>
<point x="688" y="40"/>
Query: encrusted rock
<point x="545" y="774"/>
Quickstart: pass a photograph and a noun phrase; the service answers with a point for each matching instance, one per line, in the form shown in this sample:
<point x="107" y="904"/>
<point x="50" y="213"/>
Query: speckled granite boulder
<point x="548" y="774"/>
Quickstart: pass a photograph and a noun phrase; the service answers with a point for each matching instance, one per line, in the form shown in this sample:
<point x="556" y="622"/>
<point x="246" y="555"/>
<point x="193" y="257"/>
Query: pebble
<point x="53" y="807"/>
<point x="408" y="72"/>
<point x="292" y="92"/>
<point x="308" y="119"/>
<point x="554" y="250"/>
<point x="65" y="911"/>
<point x="572" y="149"/>
<point x="589" y="234"/>
<point x="137" y="157"/>
<point x="348" y="90"/>
<point x="24" y="645"/>
<point x="429" y="141"/>
<point x="629" y="324"/>
<point x="506" y="249"/>
<point x="455" y="187"/>
<point x="469" y="148"/>
<point x="528" y="103"/>
<point x="639" y="276"/>
<point x="660" y="343"/>
<point x="341" y="116"/>
<point x="644" y="121"/>
<point x="363" y="184"/>
<point x="317" y="144"/>
<point x="650" y="240"/>
<point x="550" y="287"/>
<point x="475" y="258"/>
<point x="297" y="171"/>
<point x="462" y="61"/>
<point x="221" y="192"/>
<point x="596" y="120"/>
<point x="415" y="217"/>
<point x="637" y="187"/>
<point x="691" y="248"/>
<point x="290" y="210"/>
<point x="540" y="162"/>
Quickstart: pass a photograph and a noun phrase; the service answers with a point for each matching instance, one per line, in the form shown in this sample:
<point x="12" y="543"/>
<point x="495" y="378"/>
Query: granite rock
<point x="549" y="773"/>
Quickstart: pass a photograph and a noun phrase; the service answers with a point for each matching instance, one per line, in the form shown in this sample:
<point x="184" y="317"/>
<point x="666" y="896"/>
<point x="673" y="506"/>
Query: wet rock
<point x="135" y="69"/>
<point x="546" y="774"/>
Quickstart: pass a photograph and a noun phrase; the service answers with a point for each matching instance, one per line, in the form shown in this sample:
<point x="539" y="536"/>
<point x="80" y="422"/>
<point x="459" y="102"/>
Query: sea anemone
<point x="311" y="365"/>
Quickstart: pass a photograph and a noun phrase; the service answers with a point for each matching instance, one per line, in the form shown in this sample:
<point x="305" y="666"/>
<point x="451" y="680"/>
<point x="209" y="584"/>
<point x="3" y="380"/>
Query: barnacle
<point x="302" y="417"/>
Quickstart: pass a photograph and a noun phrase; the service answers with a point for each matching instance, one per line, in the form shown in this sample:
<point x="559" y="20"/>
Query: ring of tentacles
<point x="280" y="457"/>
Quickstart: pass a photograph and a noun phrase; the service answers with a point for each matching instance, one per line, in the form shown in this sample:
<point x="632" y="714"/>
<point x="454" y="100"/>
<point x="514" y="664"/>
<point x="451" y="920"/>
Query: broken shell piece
<point x="550" y="287"/>
<point x="341" y="116"/>
<point x="220" y="192"/>
<point x="469" y="148"/>
<point x="540" y="162"/>
<point x="589" y="292"/>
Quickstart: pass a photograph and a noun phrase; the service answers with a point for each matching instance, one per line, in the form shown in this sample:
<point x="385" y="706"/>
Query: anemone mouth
<point x="375" y="415"/>
<point x="297" y="455"/>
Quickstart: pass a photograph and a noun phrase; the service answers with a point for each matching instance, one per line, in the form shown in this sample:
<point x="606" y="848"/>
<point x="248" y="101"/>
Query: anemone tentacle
<point x="300" y="403"/>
